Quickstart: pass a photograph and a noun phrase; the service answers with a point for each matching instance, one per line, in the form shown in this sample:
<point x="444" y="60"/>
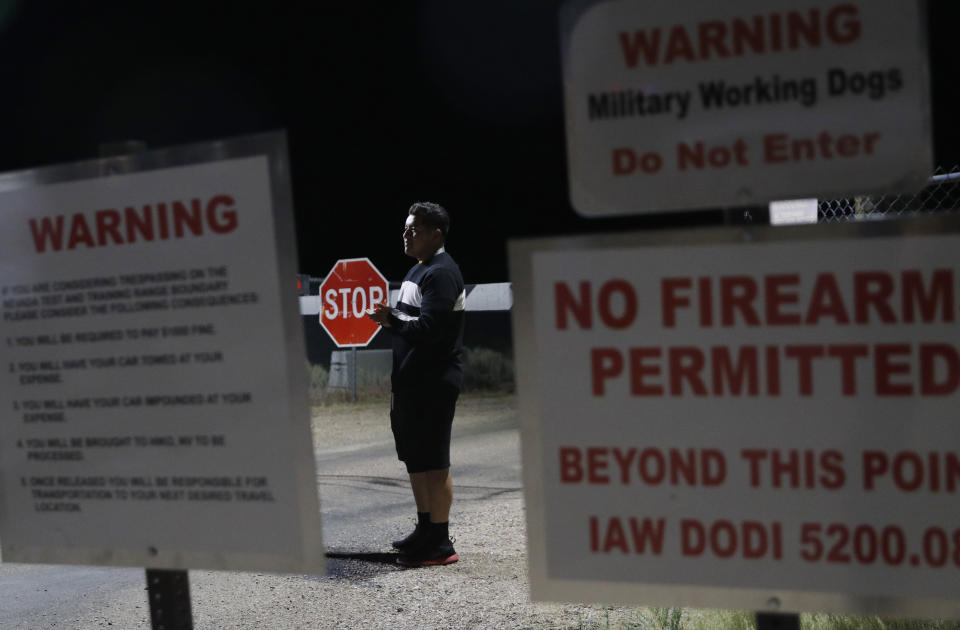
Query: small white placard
<point x="793" y="211"/>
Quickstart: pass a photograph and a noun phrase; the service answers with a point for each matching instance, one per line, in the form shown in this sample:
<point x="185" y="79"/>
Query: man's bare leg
<point x="433" y="493"/>
<point x="440" y="488"/>
<point x="421" y="491"/>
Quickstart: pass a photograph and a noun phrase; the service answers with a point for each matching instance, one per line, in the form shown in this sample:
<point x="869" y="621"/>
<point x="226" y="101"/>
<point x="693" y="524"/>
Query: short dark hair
<point x="432" y="215"/>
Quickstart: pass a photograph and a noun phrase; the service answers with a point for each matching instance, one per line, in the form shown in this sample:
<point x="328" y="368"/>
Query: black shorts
<point x="421" y="421"/>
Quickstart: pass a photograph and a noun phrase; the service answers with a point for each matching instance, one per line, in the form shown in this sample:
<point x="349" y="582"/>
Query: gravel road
<point x="366" y="502"/>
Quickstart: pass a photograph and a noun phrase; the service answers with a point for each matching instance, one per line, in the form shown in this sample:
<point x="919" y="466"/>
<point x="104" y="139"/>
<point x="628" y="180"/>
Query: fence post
<point x="353" y="379"/>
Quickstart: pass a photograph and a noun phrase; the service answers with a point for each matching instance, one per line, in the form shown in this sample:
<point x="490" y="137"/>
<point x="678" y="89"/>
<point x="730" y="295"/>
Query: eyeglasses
<point x="416" y="229"/>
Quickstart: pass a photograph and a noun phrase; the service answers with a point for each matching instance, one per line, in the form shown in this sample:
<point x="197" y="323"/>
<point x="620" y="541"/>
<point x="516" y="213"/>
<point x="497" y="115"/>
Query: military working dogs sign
<point x="677" y="105"/>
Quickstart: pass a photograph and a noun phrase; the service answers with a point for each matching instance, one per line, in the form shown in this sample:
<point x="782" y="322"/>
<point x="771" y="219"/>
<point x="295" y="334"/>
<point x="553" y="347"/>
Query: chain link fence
<point x="941" y="194"/>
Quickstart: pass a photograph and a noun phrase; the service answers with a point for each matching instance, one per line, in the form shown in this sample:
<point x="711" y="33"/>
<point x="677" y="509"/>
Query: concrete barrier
<point x="373" y="368"/>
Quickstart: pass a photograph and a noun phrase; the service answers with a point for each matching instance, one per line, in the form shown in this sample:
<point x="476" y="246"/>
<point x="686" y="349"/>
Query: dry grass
<point x="340" y="423"/>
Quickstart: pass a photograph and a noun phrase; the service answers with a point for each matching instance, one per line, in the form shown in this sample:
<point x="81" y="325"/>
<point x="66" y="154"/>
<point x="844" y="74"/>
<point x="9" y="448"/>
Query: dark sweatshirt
<point x="427" y="326"/>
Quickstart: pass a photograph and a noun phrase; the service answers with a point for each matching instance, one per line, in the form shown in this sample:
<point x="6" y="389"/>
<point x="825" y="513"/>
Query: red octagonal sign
<point x="348" y="292"/>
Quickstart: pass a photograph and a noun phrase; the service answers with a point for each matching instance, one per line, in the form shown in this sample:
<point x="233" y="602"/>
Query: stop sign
<point x="351" y="288"/>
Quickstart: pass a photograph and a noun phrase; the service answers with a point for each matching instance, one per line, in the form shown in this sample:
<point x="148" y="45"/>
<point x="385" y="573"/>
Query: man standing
<point x="427" y="331"/>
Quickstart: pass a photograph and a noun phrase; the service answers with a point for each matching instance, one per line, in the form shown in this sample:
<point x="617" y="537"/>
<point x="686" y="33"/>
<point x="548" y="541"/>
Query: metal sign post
<point x="169" y="595"/>
<point x="353" y="375"/>
<point x="168" y="590"/>
<point x="777" y="621"/>
<point x="765" y="620"/>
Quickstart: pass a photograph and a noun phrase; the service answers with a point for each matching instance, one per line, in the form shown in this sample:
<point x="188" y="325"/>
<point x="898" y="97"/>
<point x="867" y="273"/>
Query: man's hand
<point x="380" y="314"/>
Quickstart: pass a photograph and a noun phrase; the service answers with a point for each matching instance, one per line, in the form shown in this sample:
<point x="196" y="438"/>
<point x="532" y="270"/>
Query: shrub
<point x="372" y="385"/>
<point x="319" y="377"/>
<point x="487" y="370"/>
<point x="483" y="370"/>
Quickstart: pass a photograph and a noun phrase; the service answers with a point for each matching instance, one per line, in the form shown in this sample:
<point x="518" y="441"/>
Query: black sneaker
<point x="429" y="555"/>
<point x="410" y="541"/>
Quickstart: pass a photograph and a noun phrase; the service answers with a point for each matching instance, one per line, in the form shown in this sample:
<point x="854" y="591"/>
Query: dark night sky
<point x="384" y="103"/>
